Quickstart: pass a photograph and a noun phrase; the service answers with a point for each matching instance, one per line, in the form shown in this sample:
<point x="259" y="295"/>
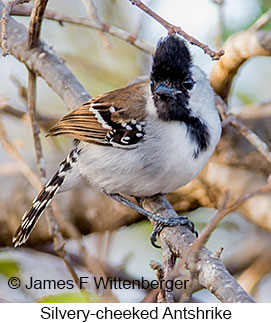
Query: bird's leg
<point x="160" y="221"/>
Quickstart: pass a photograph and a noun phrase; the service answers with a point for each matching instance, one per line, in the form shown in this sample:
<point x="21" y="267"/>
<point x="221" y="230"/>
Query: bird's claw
<point x="171" y="222"/>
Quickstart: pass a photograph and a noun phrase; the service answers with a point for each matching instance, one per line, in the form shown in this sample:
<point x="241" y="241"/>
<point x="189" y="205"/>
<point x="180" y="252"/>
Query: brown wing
<point x="114" y="118"/>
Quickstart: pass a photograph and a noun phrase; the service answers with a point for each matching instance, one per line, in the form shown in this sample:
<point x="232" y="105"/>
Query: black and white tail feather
<point x="32" y="215"/>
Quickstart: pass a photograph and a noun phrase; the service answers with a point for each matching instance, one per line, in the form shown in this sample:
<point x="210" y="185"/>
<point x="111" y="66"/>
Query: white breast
<point x="162" y="163"/>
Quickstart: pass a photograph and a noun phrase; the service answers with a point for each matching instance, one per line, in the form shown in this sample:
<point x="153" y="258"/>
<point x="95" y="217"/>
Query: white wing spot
<point x="124" y="140"/>
<point x="112" y="109"/>
<point x="139" y="127"/>
<point x="100" y="118"/>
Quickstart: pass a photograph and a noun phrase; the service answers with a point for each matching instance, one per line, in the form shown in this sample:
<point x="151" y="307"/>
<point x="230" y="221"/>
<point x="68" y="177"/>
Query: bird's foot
<point x="172" y="221"/>
<point x="161" y="222"/>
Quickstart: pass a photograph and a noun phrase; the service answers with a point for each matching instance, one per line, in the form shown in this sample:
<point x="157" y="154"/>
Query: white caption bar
<point x="97" y="312"/>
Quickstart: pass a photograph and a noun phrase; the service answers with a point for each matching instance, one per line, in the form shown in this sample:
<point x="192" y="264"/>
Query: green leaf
<point x="265" y="5"/>
<point x="245" y="98"/>
<point x="80" y="297"/>
<point x="9" y="268"/>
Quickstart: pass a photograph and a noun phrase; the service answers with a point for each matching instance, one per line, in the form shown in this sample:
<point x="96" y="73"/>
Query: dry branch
<point x="238" y="48"/>
<point x="175" y="29"/>
<point x="91" y="11"/>
<point x="262" y="21"/>
<point x="251" y="277"/>
<point x="252" y="137"/>
<point x="45" y="63"/>
<point x="35" y="23"/>
<point x="45" y="122"/>
<point x="226" y="209"/>
<point x="4" y="22"/>
<point x="220" y="26"/>
<point x="23" y="167"/>
<point x="210" y="271"/>
<point x="81" y="21"/>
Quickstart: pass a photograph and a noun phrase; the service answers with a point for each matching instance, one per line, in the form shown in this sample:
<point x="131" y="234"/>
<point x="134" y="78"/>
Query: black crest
<point x="170" y="69"/>
<point x="171" y="60"/>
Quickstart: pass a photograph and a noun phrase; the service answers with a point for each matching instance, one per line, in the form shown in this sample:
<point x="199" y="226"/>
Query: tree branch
<point x="91" y="11"/>
<point x="252" y="137"/>
<point x="46" y="64"/>
<point x="45" y="122"/>
<point x="238" y="49"/>
<point x="210" y="271"/>
<point x="32" y="178"/>
<point x="175" y="29"/>
<point x="35" y="23"/>
<point x="81" y="21"/>
<point x="4" y="22"/>
<point x="262" y="21"/>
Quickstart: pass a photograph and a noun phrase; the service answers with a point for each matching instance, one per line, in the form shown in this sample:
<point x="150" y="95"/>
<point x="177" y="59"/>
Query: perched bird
<point x="149" y="137"/>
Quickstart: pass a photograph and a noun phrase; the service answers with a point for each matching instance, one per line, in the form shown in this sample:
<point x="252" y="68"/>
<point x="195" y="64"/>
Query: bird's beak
<point x="164" y="90"/>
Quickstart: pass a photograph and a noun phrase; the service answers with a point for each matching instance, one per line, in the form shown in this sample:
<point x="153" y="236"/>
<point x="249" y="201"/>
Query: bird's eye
<point x="188" y="83"/>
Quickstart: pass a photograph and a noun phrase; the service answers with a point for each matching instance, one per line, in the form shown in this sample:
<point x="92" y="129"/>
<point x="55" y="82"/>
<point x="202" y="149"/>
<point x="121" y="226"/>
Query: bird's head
<point x="171" y="78"/>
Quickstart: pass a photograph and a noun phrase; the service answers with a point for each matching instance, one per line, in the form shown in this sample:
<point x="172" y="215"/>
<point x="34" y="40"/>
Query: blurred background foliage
<point x="102" y="69"/>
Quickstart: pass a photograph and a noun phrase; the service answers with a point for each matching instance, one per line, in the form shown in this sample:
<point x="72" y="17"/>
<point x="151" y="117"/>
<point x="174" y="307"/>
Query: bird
<point x="149" y="137"/>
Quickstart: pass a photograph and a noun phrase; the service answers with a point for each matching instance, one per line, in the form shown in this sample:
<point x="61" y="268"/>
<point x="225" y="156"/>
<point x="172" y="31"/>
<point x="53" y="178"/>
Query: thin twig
<point x="251" y="136"/>
<point x="90" y="263"/>
<point x="4" y="21"/>
<point x="32" y="178"/>
<point x="35" y="23"/>
<point x="219" y="215"/>
<point x="33" y="37"/>
<point x="31" y="107"/>
<point x="251" y="276"/>
<point x="220" y="28"/>
<point x="91" y="11"/>
<point x="218" y="2"/>
<point x="81" y="21"/>
<point x="169" y="261"/>
<point x="160" y="274"/>
<point x="44" y="121"/>
<point x="22" y="92"/>
<point x="175" y="29"/>
<point x="261" y="22"/>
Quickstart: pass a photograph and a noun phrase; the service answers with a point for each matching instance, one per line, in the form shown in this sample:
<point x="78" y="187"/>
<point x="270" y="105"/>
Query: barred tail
<point x="32" y="215"/>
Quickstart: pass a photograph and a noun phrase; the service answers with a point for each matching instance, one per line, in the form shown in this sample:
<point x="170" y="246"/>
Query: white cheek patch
<point x="150" y="107"/>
